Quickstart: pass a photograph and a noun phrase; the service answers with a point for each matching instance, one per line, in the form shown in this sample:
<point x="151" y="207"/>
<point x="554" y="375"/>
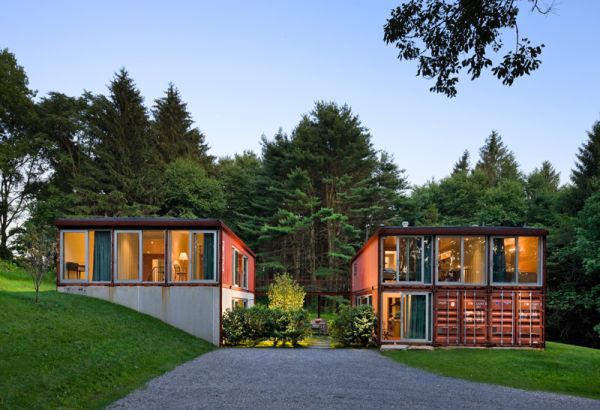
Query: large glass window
<point x="128" y="252"/>
<point x="193" y="256"/>
<point x="74" y="255"/>
<point x="153" y="260"/>
<point x="516" y="260"/>
<point x="405" y="259"/>
<point x="240" y="269"/>
<point x="204" y="256"/>
<point x="461" y="259"/>
<point x="474" y="259"/>
<point x="449" y="259"/>
<point x="406" y="316"/>
<point x="180" y="259"/>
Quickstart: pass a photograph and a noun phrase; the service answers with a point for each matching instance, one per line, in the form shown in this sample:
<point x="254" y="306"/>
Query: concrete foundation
<point x="193" y="309"/>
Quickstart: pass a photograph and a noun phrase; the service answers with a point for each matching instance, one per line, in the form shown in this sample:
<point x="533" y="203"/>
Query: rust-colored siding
<point x="229" y="242"/>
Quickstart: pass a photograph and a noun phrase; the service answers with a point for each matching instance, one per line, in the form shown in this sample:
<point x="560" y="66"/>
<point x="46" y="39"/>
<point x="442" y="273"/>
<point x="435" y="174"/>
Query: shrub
<point x="235" y="326"/>
<point x="286" y="294"/>
<point x="260" y="323"/>
<point x="298" y="326"/>
<point x="354" y="326"/>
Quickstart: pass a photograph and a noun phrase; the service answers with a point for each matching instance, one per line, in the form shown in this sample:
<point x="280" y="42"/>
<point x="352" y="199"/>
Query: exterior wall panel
<point x="365" y="273"/>
<point x="228" y="243"/>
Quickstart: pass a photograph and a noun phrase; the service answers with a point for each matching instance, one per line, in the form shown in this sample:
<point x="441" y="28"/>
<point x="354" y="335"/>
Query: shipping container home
<point x="454" y="286"/>
<point x="186" y="272"/>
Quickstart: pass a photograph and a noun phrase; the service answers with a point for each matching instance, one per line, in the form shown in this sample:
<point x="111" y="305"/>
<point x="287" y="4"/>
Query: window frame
<point x="367" y="298"/>
<point x="540" y="262"/>
<point x="245" y="267"/>
<point x="428" y="317"/>
<point x="461" y="282"/>
<point x="244" y="302"/>
<point x="62" y="255"/>
<point x="382" y="259"/>
<point x="191" y="254"/>
<point x="116" y="256"/>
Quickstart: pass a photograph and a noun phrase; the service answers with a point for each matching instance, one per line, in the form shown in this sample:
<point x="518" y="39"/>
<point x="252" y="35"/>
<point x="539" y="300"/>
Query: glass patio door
<point x="407" y="316"/>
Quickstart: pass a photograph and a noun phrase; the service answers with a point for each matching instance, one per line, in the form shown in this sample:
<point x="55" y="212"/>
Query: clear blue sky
<point x="248" y="68"/>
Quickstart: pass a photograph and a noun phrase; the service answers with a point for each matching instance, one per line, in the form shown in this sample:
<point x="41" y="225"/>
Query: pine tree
<point x="541" y="191"/>
<point x="587" y="168"/>
<point x="496" y="161"/>
<point x="124" y="173"/>
<point x="462" y="165"/>
<point x="175" y="134"/>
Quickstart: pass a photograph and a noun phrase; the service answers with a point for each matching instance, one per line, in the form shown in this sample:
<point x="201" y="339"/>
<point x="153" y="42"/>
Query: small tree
<point x="286" y="294"/>
<point x="38" y="244"/>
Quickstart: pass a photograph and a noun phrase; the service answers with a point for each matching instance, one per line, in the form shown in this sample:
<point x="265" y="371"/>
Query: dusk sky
<point x="248" y="68"/>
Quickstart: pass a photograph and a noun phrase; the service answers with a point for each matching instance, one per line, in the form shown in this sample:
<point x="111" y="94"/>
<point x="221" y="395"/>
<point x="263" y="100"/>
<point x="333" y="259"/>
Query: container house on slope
<point x="186" y="272"/>
<point x="454" y="286"/>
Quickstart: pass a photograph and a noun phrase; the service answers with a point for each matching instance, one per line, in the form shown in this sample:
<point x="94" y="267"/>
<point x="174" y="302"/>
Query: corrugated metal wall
<point x="475" y="317"/>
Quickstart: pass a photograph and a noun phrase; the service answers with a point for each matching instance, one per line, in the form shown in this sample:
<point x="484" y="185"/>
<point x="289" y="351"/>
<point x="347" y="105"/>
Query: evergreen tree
<point x="462" y="165"/>
<point x="245" y="192"/>
<point x="496" y="161"/>
<point x="541" y="191"/>
<point x="123" y="175"/>
<point x="175" y="134"/>
<point x="587" y="168"/>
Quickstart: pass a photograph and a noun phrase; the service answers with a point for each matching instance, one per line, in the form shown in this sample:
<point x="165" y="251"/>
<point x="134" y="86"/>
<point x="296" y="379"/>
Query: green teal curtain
<point x="499" y="261"/>
<point x="418" y="305"/>
<point x="427" y="261"/>
<point x="209" y="256"/>
<point x="101" y="256"/>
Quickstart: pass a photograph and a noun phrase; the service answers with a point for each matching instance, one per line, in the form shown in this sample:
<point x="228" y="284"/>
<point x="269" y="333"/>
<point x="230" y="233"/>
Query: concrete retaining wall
<point x="194" y="309"/>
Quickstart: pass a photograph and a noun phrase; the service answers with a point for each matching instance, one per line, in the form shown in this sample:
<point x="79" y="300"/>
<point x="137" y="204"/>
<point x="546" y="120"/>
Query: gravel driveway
<point x="324" y="378"/>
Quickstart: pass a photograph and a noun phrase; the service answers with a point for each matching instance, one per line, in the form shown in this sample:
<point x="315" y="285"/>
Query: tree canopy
<point x="448" y="37"/>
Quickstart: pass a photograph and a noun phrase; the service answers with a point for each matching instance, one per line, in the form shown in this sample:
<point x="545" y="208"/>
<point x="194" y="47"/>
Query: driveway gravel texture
<point x="263" y="378"/>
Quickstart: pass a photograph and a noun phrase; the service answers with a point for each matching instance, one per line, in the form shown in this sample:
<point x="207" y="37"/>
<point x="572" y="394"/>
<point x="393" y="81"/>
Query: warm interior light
<point x="183" y="256"/>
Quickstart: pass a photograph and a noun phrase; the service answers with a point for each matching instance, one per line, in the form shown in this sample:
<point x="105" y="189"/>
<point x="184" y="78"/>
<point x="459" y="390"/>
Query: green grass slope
<point x="561" y="368"/>
<point x="78" y="352"/>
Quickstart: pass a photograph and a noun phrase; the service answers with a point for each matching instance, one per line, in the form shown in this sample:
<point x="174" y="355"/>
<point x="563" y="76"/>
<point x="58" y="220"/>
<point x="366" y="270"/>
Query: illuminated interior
<point x="461" y="259"/>
<point x="528" y="259"/>
<point x="449" y="267"/>
<point x="512" y="266"/>
<point x="474" y="259"/>
<point x="153" y="260"/>
<point x="180" y="256"/>
<point x="128" y="256"/>
<point x="74" y="252"/>
<point x="406" y="316"/>
<point x="402" y="259"/>
<point x="204" y="256"/>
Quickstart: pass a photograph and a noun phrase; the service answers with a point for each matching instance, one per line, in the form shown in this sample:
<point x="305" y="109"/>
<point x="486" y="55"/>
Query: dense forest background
<point x="305" y="203"/>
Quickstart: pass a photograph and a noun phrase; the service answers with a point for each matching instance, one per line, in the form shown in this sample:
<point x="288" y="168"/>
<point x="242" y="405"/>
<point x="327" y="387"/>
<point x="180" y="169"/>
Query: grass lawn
<point x="73" y="351"/>
<point x="561" y="368"/>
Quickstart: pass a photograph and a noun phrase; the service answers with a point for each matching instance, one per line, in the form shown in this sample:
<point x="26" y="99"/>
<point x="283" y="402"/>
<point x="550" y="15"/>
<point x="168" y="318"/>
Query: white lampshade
<point x="183" y="256"/>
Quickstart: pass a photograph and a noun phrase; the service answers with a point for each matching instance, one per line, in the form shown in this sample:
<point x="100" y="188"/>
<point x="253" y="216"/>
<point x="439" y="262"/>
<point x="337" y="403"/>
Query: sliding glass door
<point x="406" y="316"/>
